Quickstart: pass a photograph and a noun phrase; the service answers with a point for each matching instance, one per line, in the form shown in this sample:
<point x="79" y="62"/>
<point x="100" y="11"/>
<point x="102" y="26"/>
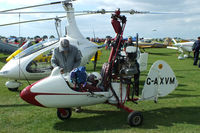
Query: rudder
<point x="160" y="81"/>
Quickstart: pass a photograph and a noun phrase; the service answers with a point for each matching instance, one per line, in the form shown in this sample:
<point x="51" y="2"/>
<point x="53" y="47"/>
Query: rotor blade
<point x="131" y="11"/>
<point x="37" y="20"/>
<point x="102" y="11"/>
<point x="82" y="12"/>
<point x="165" y="13"/>
<point x="33" y="12"/>
<point x="52" y="3"/>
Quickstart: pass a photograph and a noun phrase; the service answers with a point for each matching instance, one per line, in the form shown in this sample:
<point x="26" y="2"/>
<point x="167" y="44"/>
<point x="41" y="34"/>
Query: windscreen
<point x="34" y="48"/>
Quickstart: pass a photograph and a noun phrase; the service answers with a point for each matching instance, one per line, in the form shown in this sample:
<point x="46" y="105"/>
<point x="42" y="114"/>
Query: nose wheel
<point x="135" y="118"/>
<point x="12" y="89"/>
<point x="64" y="114"/>
<point x="13" y="85"/>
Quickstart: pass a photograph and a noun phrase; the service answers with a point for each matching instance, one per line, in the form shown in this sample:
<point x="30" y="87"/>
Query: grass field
<point x="179" y="112"/>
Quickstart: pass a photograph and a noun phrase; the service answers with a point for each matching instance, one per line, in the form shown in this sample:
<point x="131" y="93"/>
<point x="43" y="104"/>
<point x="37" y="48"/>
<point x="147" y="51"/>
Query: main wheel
<point x="135" y="118"/>
<point x="64" y="114"/>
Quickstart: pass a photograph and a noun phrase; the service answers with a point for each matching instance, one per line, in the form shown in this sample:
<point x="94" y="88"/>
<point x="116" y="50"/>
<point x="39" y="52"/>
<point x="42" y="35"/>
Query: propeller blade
<point x="52" y="3"/>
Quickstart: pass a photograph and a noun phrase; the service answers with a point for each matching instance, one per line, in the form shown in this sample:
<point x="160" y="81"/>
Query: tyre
<point x="135" y="118"/>
<point x="64" y="114"/>
<point x="13" y="89"/>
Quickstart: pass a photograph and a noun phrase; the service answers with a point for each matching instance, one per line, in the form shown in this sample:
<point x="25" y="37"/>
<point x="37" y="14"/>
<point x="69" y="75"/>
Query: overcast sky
<point x="185" y="25"/>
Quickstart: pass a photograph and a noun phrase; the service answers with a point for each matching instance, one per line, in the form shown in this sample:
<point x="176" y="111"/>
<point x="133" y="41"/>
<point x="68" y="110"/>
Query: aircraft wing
<point x="145" y="46"/>
<point x="172" y="47"/>
<point x="151" y="45"/>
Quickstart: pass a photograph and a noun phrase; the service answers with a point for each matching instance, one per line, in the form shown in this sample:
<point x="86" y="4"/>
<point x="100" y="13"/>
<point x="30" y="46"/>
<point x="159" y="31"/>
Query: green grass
<point x="177" y="112"/>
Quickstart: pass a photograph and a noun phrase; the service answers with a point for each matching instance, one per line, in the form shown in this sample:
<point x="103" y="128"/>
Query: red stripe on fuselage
<point x="29" y="96"/>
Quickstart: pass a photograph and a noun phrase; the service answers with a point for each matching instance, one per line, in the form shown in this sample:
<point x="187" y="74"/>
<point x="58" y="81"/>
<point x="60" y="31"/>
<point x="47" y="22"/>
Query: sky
<point x="185" y="25"/>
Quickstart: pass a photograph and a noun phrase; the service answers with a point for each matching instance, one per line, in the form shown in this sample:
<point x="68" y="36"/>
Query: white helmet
<point x="95" y="78"/>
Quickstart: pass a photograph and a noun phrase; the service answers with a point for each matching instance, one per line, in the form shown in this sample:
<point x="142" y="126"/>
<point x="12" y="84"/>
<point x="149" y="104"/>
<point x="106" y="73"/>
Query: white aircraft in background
<point x="34" y="62"/>
<point x="185" y="47"/>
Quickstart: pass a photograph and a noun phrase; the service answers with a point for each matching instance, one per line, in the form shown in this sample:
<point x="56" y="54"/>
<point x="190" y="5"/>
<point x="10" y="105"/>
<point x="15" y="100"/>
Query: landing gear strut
<point x="135" y="118"/>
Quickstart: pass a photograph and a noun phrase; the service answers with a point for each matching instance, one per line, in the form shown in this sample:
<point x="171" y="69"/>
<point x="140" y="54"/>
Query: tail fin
<point x="168" y="41"/>
<point x="160" y="81"/>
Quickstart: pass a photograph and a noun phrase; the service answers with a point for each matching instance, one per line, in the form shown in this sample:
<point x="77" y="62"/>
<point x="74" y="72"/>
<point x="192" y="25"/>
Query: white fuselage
<point x="185" y="47"/>
<point x="17" y="68"/>
<point x="54" y="91"/>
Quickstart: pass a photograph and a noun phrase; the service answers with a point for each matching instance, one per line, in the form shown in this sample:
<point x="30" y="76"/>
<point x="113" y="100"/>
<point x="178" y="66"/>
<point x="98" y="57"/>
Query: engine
<point x="126" y="65"/>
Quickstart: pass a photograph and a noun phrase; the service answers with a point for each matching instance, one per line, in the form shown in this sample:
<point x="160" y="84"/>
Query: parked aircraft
<point x="185" y="48"/>
<point x="7" y="48"/>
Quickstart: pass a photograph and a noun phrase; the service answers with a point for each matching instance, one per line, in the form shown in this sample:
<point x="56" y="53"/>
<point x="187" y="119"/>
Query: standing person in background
<point x="129" y="42"/>
<point x="195" y="48"/>
<point x="108" y="42"/>
<point x="137" y="75"/>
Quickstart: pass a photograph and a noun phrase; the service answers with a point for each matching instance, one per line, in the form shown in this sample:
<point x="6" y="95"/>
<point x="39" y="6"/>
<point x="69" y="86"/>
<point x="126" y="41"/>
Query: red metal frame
<point x="113" y="54"/>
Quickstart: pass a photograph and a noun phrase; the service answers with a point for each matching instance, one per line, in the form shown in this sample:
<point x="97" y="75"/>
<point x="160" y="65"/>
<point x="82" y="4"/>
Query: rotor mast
<point x="72" y="29"/>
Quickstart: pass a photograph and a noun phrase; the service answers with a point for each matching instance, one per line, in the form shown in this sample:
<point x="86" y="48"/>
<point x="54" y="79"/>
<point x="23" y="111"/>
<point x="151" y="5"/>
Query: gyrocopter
<point x="34" y="62"/>
<point x="112" y="86"/>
